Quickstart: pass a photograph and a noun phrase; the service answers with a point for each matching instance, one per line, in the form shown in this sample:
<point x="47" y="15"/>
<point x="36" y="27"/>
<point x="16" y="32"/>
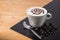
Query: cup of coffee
<point x="37" y="16"/>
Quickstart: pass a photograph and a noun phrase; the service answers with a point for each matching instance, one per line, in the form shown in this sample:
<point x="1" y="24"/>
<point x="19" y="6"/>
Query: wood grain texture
<point x="13" y="11"/>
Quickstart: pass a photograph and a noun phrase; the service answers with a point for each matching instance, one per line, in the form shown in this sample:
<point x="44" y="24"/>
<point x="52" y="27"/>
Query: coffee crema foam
<point x="37" y="11"/>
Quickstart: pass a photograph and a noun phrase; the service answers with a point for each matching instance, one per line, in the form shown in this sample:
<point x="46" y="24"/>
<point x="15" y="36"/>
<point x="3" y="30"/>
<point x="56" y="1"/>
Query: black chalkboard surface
<point x="54" y="22"/>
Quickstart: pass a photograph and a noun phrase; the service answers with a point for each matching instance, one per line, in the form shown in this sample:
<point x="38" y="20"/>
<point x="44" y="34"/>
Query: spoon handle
<point x="35" y="33"/>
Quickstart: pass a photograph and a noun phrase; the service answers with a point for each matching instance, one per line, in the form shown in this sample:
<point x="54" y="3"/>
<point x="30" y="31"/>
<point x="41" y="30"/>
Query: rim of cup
<point x="30" y="13"/>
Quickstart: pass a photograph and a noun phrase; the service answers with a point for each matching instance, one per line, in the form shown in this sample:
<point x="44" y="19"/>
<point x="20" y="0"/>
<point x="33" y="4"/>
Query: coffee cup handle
<point x="49" y="16"/>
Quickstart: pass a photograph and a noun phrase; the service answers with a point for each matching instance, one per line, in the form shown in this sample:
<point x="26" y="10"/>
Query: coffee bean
<point x="51" y="26"/>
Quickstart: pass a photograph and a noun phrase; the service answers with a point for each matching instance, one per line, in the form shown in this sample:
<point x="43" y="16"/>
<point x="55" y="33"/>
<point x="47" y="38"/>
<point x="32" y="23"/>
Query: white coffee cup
<point x="37" y="20"/>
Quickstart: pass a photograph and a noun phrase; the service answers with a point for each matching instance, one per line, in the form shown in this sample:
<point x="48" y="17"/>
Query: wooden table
<point x="13" y="11"/>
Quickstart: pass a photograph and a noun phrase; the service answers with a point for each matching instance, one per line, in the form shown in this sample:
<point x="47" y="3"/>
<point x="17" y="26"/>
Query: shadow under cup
<point x="37" y="20"/>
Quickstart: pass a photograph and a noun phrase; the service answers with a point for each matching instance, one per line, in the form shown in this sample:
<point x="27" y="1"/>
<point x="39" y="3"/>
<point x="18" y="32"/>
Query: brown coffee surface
<point x="37" y="11"/>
